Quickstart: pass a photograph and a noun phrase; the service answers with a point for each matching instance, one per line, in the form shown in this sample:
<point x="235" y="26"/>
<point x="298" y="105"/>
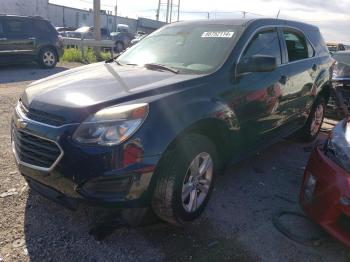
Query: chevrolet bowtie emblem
<point x="20" y="123"/>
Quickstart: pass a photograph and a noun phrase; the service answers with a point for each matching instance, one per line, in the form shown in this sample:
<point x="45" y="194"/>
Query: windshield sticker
<point x="218" y="34"/>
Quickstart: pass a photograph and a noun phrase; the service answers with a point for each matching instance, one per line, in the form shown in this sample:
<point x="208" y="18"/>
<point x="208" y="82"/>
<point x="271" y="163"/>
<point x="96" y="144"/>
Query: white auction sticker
<point x="218" y="34"/>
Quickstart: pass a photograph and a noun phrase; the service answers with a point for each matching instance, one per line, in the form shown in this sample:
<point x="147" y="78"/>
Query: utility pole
<point x="167" y="10"/>
<point x="178" y="10"/>
<point x="115" y="15"/>
<point x="158" y="10"/>
<point x="171" y="10"/>
<point x="97" y="25"/>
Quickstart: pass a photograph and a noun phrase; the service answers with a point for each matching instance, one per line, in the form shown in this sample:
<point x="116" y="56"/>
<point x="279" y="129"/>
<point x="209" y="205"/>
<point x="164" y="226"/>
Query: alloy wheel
<point x="197" y="182"/>
<point x="49" y="58"/>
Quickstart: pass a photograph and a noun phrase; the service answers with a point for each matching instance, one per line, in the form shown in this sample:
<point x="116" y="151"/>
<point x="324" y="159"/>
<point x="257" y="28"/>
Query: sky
<point x="331" y="16"/>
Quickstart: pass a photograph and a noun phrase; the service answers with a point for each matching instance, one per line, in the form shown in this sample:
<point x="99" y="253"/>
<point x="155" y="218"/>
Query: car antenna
<point x="278" y="14"/>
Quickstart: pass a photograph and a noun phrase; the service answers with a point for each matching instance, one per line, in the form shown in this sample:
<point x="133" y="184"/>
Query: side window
<point x="1" y="28"/>
<point x="297" y="46"/>
<point x="14" y="26"/>
<point x="264" y="43"/>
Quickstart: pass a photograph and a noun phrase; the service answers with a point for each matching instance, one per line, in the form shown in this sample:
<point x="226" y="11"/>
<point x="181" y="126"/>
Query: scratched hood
<point x="86" y="87"/>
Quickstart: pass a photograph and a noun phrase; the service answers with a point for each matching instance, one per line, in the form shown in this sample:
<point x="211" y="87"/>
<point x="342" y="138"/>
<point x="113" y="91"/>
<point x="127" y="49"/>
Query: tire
<point x="314" y="122"/>
<point x="47" y="57"/>
<point x="176" y="185"/>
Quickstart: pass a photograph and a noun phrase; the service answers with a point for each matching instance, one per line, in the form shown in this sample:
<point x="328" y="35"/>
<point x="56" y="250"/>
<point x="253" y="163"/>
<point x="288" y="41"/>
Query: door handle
<point x="283" y="80"/>
<point x="32" y="38"/>
<point x="314" y="67"/>
<point x="3" y="39"/>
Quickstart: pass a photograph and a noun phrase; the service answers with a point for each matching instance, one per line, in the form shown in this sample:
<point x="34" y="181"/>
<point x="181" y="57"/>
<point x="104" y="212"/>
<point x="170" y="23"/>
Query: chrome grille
<point x="35" y="151"/>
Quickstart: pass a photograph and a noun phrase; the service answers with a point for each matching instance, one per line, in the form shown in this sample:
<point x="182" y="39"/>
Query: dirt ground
<point x="236" y="226"/>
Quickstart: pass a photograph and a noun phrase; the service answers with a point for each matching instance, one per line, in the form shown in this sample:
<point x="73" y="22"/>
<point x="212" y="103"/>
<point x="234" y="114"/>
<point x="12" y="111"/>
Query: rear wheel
<point x="47" y="57"/>
<point x="314" y="122"/>
<point x="185" y="180"/>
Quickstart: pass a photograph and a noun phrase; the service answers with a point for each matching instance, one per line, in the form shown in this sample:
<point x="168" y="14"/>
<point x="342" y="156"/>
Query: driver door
<point x="258" y="101"/>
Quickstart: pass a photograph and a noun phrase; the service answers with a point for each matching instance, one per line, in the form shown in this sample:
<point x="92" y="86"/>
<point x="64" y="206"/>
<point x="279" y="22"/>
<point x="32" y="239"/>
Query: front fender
<point x="167" y="122"/>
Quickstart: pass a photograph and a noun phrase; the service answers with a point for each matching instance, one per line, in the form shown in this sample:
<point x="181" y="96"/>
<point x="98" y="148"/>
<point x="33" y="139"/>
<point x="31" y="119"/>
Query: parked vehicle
<point x="87" y="32"/>
<point x="325" y="192"/>
<point x="153" y="127"/>
<point x="335" y="47"/>
<point x="137" y="39"/>
<point x="339" y="102"/>
<point x="26" y="39"/>
<point x="64" y="28"/>
<point x="122" y="38"/>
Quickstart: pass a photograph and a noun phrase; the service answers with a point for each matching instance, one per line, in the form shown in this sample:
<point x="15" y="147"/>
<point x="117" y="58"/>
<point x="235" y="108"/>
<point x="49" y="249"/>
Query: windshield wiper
<point x="114" y="59"/>
<point x="161" y="67"/>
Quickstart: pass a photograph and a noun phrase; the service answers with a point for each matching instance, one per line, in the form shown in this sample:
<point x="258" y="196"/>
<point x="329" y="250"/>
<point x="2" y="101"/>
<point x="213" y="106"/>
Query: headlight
<point x="338" y="145"/>
<point x="112" y="125"/>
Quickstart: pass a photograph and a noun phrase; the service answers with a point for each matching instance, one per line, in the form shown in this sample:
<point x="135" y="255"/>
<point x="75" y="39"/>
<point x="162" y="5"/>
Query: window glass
<point x="188" y="48"/>
<point x="14" y="26"/>
<point x="310" y="49"/>
<point x="264" y="43"/>
<point x="1" y="28"/>
<point x="297" y="47"/>
<point x="42" y="26"/>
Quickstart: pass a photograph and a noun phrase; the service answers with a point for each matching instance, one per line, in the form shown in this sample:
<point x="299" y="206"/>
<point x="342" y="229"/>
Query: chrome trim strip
<point x="23" y="116"/>
<point x="39" y="168"/>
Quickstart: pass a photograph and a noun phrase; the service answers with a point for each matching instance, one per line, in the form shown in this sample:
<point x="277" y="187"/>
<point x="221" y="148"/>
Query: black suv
<point x="153" y="127"/>
<point x="25" y="39"/>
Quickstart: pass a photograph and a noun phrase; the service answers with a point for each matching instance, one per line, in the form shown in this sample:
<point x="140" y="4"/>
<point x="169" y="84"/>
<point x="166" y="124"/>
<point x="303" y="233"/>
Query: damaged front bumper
<point x="325" y="195"/>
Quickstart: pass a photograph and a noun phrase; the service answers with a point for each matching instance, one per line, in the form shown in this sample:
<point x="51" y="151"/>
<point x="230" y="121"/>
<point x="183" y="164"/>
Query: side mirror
<point x="257" y="63"/>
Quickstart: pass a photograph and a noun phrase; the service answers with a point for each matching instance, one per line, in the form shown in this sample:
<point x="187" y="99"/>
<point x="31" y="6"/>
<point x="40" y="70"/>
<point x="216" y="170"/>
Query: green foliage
<point x="75" y="55"/>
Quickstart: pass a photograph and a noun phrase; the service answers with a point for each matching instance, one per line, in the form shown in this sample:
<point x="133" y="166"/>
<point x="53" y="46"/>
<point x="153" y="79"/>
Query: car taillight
<point x="60" y="40"/>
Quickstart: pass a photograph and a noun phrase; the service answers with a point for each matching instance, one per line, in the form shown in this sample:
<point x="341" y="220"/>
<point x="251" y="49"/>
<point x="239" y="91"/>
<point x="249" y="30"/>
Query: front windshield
<point x="187" y="48"/>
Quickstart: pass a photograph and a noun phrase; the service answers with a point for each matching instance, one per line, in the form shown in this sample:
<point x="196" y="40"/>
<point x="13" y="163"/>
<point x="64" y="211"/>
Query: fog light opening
<point x="309" y="187"/>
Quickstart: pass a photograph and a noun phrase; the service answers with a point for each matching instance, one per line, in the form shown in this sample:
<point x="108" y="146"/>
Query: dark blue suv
<point x="153" y="127"/>
<point x="26" y="39"/>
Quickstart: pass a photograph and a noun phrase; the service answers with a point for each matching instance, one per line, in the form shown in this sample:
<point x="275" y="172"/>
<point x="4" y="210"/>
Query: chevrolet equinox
<point x="152" y="127"/>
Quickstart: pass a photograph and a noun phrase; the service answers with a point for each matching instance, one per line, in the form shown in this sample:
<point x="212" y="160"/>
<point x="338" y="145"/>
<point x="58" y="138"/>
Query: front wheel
<point x="185" y="180"/>
<point x="314" y="122"/>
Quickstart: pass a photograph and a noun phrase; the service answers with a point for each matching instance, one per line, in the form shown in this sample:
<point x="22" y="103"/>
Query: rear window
<point x="43" y="26"/>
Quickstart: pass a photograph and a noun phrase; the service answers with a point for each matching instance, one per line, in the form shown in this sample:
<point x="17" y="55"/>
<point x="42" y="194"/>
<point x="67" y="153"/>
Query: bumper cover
<point x="118" y="176"/>
<point x="330" y="203"/>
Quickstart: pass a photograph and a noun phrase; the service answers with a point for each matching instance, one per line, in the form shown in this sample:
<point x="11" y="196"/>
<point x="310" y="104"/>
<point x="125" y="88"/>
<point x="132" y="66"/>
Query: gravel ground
<point x="236" y="226"/>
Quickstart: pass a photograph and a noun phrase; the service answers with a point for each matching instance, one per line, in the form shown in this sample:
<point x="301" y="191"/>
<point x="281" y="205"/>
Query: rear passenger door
<point x="301" y="68"/>
<point x="19" y="38"/>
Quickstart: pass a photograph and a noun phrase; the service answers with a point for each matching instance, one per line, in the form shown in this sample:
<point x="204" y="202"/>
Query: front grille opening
<point x="41" y="116"/>
<point x="34" y="150"/>
<point x="344" y="222"/>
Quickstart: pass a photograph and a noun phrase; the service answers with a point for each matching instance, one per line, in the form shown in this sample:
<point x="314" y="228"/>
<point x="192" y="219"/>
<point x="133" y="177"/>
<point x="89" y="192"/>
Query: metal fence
<point x="82" y="44"/>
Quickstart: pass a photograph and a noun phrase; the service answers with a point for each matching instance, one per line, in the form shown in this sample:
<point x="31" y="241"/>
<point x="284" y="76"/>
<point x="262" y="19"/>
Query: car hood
<point x="89" y="87"/>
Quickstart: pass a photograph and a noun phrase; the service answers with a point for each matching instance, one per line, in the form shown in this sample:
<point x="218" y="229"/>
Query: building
<point x="73" y="17"/>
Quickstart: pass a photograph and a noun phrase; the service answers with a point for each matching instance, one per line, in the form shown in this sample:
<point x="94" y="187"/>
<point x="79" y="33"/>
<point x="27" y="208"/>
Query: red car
<point x="325" y="192"/>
